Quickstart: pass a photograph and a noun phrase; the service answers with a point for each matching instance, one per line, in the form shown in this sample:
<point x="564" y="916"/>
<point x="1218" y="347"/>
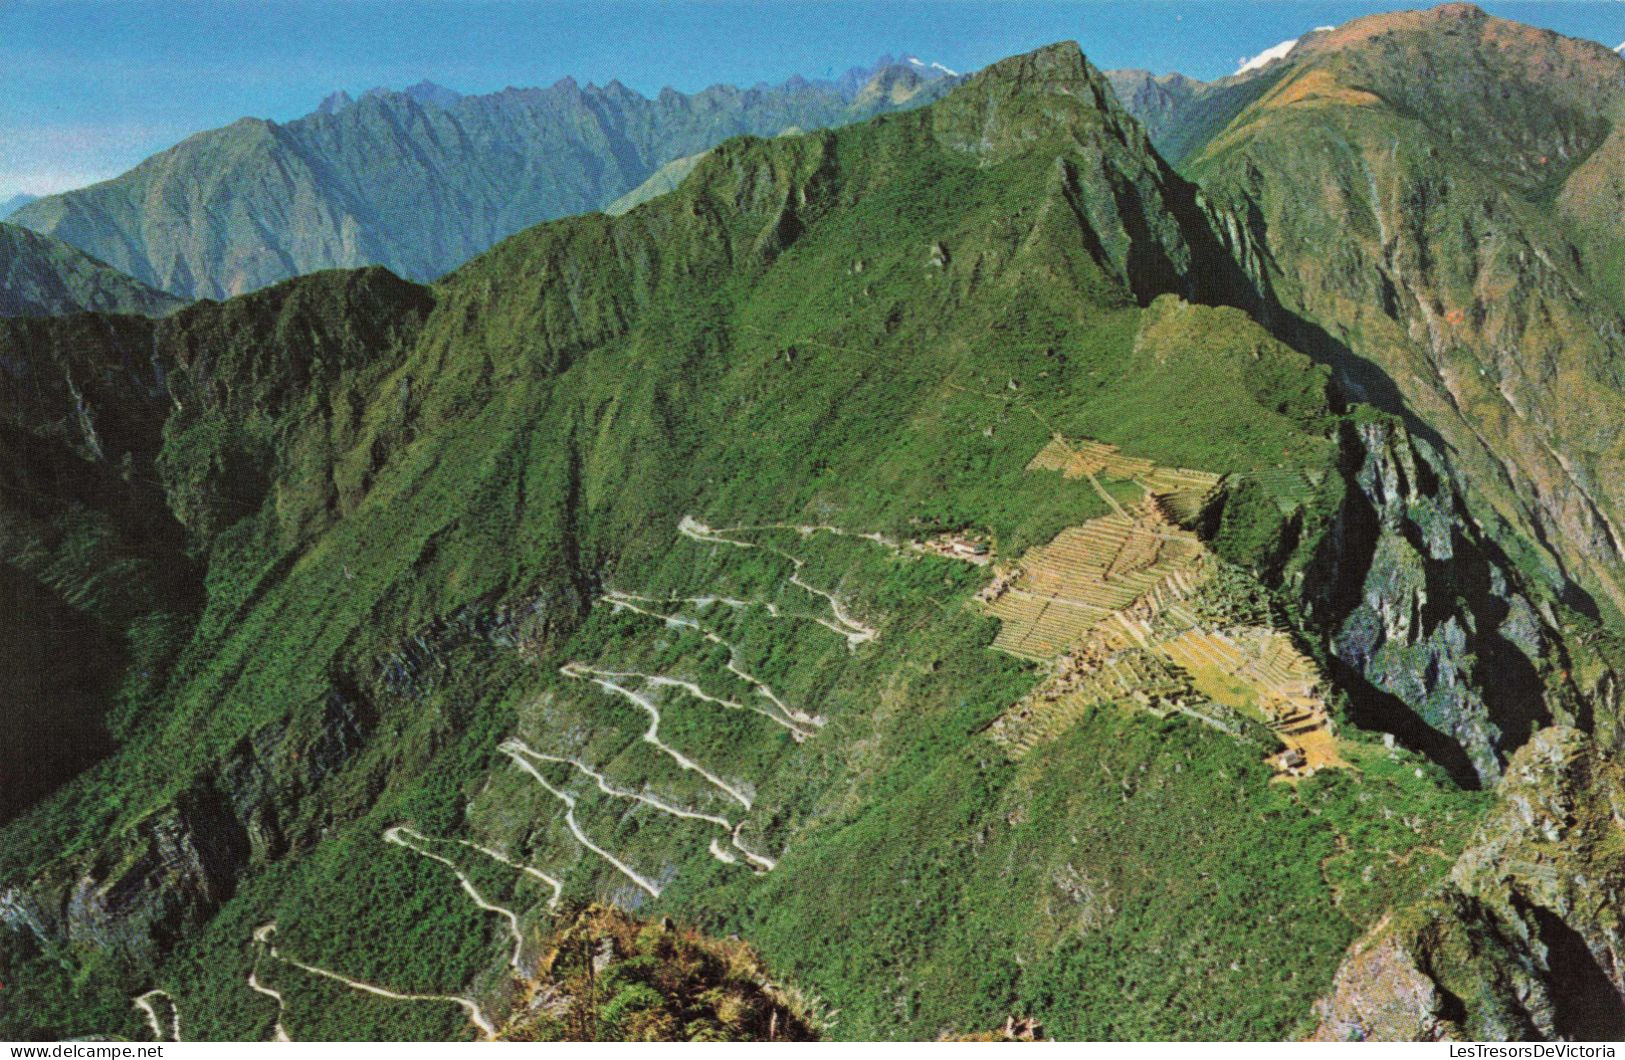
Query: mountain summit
<point x="1461" y="249"/>
<point x="13" y="204"/>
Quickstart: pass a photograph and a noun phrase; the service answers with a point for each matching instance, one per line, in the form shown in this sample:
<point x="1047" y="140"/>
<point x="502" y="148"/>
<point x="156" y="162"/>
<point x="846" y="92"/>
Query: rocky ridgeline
<point x="1526" y="940"/>
<point x="200" y="220"/>
<point x="1446" y="642"/>
<point x="163" y="877"/>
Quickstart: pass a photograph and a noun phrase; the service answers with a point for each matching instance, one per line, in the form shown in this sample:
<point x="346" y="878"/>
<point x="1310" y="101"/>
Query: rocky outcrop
<point x="1525" y="941"/>
<point x="143" y="890"/>
<point x="684" y="986"/>
<point x="1381" y="994"/>
<point x="417" y="666"/>
<point x="1441" y="639"/>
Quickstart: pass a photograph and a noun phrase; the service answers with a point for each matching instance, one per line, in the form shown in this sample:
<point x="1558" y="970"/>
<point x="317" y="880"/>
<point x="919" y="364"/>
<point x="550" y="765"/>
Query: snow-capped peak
<point x="923" y="65"/>
<point x="1267" y="56"/>
<point x="1621" y="49"/>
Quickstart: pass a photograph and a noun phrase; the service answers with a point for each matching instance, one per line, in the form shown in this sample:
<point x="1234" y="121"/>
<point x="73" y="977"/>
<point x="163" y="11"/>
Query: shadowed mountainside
<point x="41" y="276"/>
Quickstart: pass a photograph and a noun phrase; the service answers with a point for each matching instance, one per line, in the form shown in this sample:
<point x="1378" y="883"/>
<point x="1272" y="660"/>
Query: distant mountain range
<point x="41" y="276"/>
<point x="13" y="204"/>
<point x="421" y="180"/>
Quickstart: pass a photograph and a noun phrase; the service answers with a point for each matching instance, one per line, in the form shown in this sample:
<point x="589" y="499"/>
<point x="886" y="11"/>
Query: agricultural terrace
<point x="1107" y="605"/>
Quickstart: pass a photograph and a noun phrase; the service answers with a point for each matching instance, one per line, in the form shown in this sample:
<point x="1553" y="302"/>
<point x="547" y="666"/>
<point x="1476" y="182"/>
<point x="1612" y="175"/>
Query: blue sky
<point x="90" y="87"/>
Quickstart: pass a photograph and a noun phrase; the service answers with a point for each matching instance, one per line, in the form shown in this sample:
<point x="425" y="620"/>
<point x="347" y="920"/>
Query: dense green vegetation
<point x="409" y="503"/>
<point x="42" y="276"/>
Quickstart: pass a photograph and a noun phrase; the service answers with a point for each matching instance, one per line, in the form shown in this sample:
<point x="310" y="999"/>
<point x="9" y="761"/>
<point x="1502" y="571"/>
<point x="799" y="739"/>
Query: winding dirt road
<point x="515" y="749"/>
<point x="855" y="631"/>
<point x="651" y="735"/>
<point x="279" y="1033"/>
<point x="534" y="873"/>
<point x="717" y="851"/>
<point x="784" y="717"/>
<point x="621" y="793"/>
<point x="402" y="836"/>
<point x="633" y="603"/>
<point x="145" y="1004"/>
<point x="263" y="933"/>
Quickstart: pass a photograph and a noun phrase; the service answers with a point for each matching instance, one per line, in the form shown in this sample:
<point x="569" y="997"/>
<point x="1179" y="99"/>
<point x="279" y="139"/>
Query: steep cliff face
<point x="136" y="444"/>
<point x="1444" y="641"/>
<point x="93" y="566"/>
<point x="1432" y="632"/>
<point x="141" y="892"/>
<point x="1526" y="940"/>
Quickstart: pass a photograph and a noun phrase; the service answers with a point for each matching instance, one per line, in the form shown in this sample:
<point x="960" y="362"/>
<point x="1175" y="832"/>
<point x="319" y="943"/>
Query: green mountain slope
<point x="663" y="180"/>
<point x="1443" y="252"/>
<point x="40" y="276"/>
<point x="628" y="563"/>
<point x="1433" y="207"/>
<point x="1181" y="114"/>
<point x="13" y="204"/>
<point x="416" y="181"/>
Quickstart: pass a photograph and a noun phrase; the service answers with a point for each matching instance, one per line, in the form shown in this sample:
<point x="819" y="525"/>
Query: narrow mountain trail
<point x="855" y="631"/>
<point x="414" y="841"/>
<point x="515" y="750"/>
<point x="1010" y="397"/>
<point x="279" y="1033"/>
<point x="720" y="853"/>
<point x="633" y="603"/>
<point x="761" y="861"/>
<point x="785" y="717"/>
<point x="809" y="529"/>
<point x="621" y="793"/>
<point x="1103" y="494"/>
<point x="476" y="1016"/>
<point x="773" y="609"/>
<point x="651" y="735"/>
<point x="533" y="873"/>
<point x="702" y="601"/>
<point x="1340" y="849"/>
<point x="148" y="1009"/>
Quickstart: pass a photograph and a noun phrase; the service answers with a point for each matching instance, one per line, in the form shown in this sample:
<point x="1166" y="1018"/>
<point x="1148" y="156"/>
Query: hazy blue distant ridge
<point x="423" y="179"/>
